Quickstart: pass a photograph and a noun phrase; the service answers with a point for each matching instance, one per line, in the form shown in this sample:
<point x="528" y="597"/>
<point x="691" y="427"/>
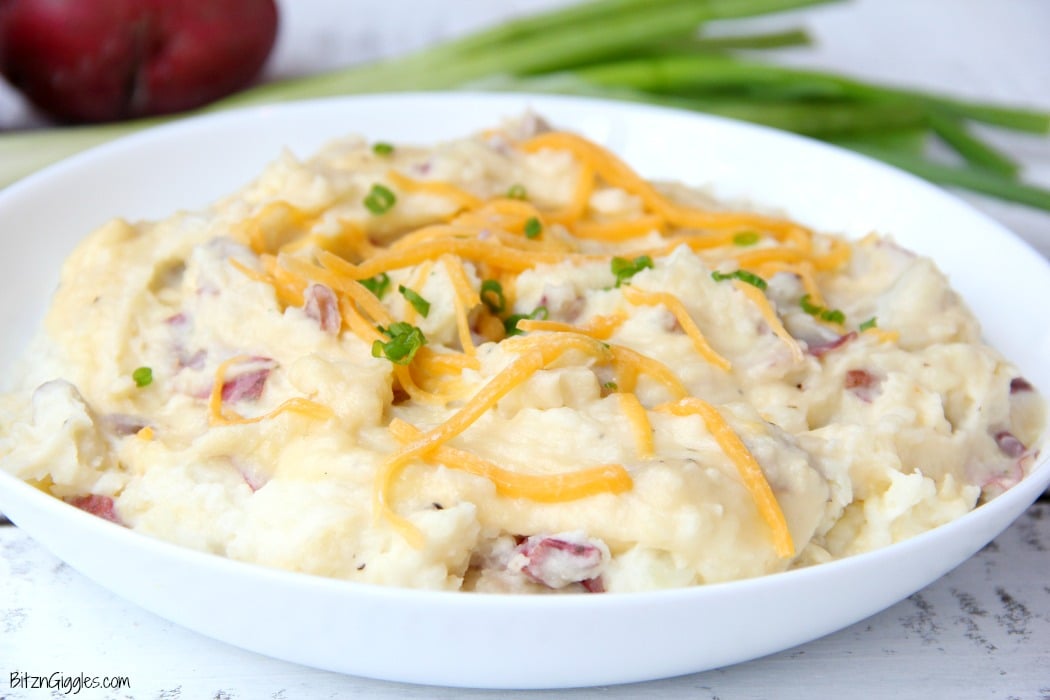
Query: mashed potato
<point x="510" y="364"/>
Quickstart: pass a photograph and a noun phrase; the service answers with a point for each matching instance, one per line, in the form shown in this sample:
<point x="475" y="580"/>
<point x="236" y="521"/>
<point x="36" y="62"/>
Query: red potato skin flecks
<point x="323" y="306"/>
<point x="106" y="60"/>
<point x="102" y="506"/>
<point x="553" y="562"/>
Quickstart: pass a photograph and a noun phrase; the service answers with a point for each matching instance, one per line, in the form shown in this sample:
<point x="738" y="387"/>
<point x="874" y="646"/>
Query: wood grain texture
<point x="982" y="631"/>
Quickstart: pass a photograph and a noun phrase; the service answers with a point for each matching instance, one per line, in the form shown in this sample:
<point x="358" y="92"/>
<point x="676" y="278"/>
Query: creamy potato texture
<point x="509" y="364"/>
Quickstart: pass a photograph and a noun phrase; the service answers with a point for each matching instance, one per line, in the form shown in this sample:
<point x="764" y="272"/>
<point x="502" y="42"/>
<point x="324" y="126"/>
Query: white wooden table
<point x="983" y="631"/>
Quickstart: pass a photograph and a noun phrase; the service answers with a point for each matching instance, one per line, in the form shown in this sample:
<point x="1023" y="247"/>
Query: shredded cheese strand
<point x="755" y="295"/>
<point x="357" y="324"/>
<point x="437" y="188"/>
<point x="541" y="488"/>
<point x="543" y="351"/>
<point x="631" y="364"/>
<point x="616" y="231"/>
<point x="618" y="174"/>
<point x="430" y="361"/>
<point x="491" y="252"/>
<point x="599" y="328"/>
<point x="685" y="320"/>
<point x="747" y="466"/>
<point x="581" y="196"/>
<point x="640" y="425"/>
<point x="267" y="230"/>
<point x="220" y="415"/>
<point x="464" y="299"/>
<point x="408" y="383"/>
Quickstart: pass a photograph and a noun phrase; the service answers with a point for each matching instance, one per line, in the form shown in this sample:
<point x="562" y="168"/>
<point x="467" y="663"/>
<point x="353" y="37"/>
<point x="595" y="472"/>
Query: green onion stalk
<point x="651" y="51"/>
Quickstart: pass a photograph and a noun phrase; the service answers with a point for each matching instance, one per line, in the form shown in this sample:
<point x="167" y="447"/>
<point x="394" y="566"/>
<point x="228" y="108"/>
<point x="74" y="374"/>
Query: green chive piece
<point x="405" y="340"/>
<point x="517" y="191"/>
<point x="492" y="296"/>
<point x="610" y="386"/>
<point x="533" y="227"/>
<point x="870" y="323"/>
<point x="143" y="376"/>
<point x="380" y="199"/>
<point x="625" y="269"/>
<point x="746" y="238"/>
<point x="833" y="316"/>
<point x="418" y="303"/>
<point x="382" y="149"/>
<point x="377" y="285"/>
<point x="510" y="325"/>
<point x="808" y="306"/>
<point x="829" y="315"/>
<point x="742" y="275"/>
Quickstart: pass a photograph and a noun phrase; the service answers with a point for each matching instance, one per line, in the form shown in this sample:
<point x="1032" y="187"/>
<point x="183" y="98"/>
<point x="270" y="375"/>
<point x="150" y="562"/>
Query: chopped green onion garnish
<point x="829" y="315"/>
<point x="833" y="316"/>
<point x="746" y="238"/>
<point x="382" y="149"/>
<point x="405" y="340"/>
<point x="492" y="296"/>
<point x="143" y="376"/>
<point x="418" y="303"/>
<point x="808" y="306"/>
<point x="380" y="199"/>
<point x="533" y="227"/>
<point x="742" y="275"/>
<point x="517" y="192"/>
<point x="610" y="386"/>
<point x="625" y="269"/>
<point x="377" y="285"/>
<point x="510" y="326"/>
<point x="870" y="323"/>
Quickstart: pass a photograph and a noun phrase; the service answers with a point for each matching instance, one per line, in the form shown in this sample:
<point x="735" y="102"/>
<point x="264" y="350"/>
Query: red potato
<point x="105" y="60"/>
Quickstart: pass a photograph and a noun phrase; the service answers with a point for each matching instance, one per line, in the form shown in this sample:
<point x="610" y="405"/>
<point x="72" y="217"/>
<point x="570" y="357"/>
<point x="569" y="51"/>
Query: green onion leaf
<point x="380" y="199"/>
<point x="533" y="227"/>
<point x="833" y="316"/>
<point x="405" y="340"/>
<point x="418" y="303"/>
<point x="625" y="269"/>
<point x="746" y="238"/>
<point x="870" y="323"/>
<point x="492" y="295"/>
<point x="742" y="275"/>
<point x="829" y="315"/>
<point x="808" y="306"/>
<point x="517" y="192"/>
<point x="377" y="285"/>
<point x="382" y="149"/>
<point x="610" y="386"/>
<point x="143" y="376"/>
<point x="510" y="326"/>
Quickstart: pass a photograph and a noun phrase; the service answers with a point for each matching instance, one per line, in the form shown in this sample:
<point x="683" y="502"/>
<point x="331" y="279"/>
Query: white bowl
<point x="496" y="641"/>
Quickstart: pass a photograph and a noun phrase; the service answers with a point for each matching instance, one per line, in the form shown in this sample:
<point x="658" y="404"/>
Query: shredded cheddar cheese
<point x="675" y="306"/>
<point x="518" y="356"/>
<point x="770" y="316"/>
<point x="501" y="238"/>
<point x="444" y="190"/>
<point x="640" y="425"/>
<point x="750" y="471"/>
<point x="542" y="488"/>
<point x="221" y="415"/>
